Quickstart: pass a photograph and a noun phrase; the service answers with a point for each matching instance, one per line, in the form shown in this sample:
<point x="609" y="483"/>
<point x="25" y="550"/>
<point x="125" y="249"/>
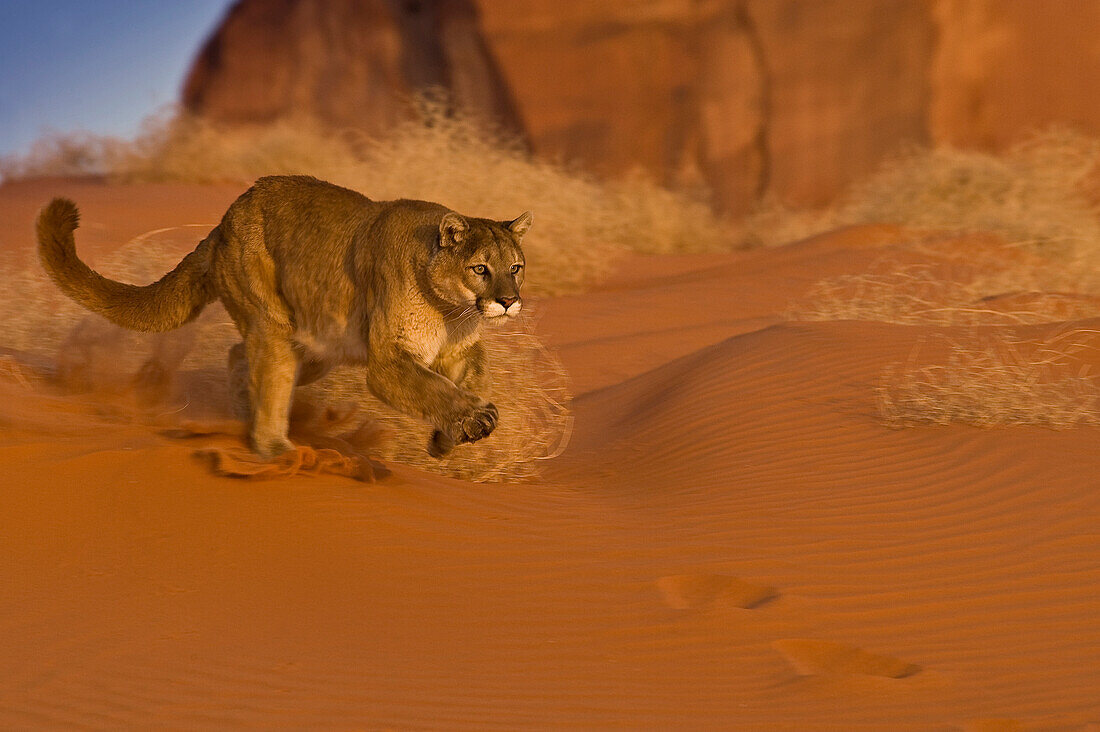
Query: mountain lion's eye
<point x="516" y="268"/>
<point x="480" y="269"/>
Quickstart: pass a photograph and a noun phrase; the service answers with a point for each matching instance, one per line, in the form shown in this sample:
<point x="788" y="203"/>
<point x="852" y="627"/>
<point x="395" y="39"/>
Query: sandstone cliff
<point x="747" y="98"/>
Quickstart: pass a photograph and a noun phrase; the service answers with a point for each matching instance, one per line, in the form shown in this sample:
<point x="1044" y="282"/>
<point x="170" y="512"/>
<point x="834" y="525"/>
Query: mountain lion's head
<point x="480" y="264"/>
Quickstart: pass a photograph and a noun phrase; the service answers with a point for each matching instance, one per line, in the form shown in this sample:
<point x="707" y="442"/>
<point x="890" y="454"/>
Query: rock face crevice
<point x="759" y="55"/>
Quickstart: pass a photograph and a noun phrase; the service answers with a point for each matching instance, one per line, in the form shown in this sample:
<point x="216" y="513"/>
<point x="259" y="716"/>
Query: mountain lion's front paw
<point x="477" y="423"/>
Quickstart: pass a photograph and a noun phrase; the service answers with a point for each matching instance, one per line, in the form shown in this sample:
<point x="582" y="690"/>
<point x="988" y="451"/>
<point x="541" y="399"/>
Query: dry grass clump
<point x="56" y="153"/>
<point x="775" y="224"/>
<point x="581" y="224"/>
<point x="910" y="294"/>
<point x="996" y="381"/>
<point x="1036" y="193"/>
<point x="920" y="294"/>
<point x="1039" y="193"/>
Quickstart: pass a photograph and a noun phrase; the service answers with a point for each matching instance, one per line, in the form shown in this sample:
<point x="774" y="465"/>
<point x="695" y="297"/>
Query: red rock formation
<point x="748" y="98"/>
<point x="345" y="62"/>
<point x="784" y="96"/>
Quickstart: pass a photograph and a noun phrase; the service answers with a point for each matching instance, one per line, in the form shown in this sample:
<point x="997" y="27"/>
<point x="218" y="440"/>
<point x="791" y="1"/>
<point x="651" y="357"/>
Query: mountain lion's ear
<point x="452" y="229"/>
<point x="520" y="226"/>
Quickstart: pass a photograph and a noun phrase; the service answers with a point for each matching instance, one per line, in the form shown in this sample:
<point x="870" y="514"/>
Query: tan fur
<point x="315" y="275"/>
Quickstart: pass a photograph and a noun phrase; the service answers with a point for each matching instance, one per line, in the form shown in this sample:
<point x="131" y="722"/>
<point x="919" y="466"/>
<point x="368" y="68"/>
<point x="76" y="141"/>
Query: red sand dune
<point x="731" y="540"/>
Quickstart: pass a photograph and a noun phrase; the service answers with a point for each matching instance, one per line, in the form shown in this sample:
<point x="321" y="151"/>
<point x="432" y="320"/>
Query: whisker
<point x="465" y="316"/>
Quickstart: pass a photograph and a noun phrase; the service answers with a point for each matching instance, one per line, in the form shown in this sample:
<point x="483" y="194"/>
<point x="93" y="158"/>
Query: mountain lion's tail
<point x="168" y="303"/>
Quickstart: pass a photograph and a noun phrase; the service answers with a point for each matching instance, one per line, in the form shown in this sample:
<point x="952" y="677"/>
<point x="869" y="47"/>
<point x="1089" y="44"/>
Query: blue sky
<point x="94" y="65"/>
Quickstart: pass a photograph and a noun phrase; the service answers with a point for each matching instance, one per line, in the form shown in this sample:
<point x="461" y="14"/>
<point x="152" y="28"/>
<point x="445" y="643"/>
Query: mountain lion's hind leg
<point x="272" y="367"/>
<point x="309" y="370"/>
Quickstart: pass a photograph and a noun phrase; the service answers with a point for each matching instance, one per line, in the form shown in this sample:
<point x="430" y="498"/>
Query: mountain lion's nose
<point x="506" y="301"/>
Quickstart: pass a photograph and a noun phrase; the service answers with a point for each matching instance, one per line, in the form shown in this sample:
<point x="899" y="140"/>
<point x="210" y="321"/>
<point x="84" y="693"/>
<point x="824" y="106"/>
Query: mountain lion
<point x="314" y="275"/>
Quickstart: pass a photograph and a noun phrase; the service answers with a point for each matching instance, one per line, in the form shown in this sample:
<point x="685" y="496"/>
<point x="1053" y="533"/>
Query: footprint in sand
<point x="810" y="657"/>
<point x="689" y="591"/>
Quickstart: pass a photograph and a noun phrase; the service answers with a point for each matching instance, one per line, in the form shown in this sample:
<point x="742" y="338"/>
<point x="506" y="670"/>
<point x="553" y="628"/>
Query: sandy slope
<point x="732" y="540"/>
